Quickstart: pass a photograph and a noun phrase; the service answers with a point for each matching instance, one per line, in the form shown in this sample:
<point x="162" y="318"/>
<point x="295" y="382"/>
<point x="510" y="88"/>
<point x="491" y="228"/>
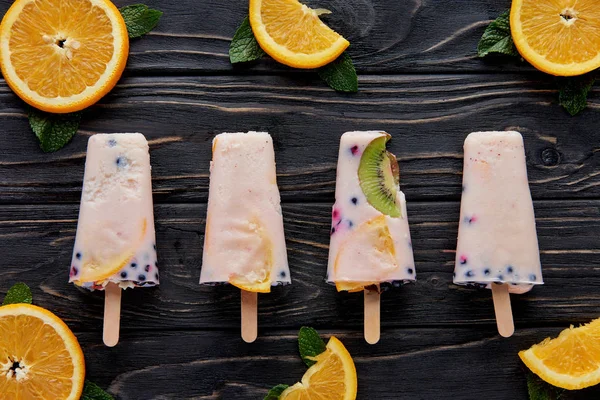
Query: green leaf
<point x="244" y="47"/>
<point x="275" y="392"/>
<point x="140" y="19"/>
<point x="540" y="390"/>
<point x="497" y="39"/>
<point x="18" y="293"/>
<point x="91" y="391"/>
<point x="340" y="74"/>
<point x="53" y="130"/>
<point x="310" y="345"/>
<point x="573" y="92"/>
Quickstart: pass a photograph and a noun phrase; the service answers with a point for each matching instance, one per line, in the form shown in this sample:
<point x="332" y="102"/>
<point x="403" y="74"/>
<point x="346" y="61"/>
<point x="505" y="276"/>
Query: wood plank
<point x="429" y="116"/>
<point x="40" y="239"/>
<point x="407" y="364"/>
<point x="386" y="36"/>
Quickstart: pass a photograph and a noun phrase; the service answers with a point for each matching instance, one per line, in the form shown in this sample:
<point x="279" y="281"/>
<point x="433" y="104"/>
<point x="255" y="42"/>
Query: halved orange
<point x="63" y="55"/>
<point x="559" y="37"/>
<point x="570" y="361"/>
<point x="333" y="377"/>
<point x="293" y="34"/>
<point x="40" y="358"/>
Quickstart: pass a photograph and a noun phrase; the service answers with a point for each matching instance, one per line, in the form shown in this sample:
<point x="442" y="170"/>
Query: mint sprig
<point x="275" y="392"/>
<point x="573" y="92"/>
<point x="497" y="38"/>
<point x="140" y="19"/>
<point x="53" y="130"/>
<point x="244" y="47"/>
<point x="340" y="74"/>
<point x="540" y="390"/>
<point x="310" y="345"/>
<point x="91" y="391"/>
<point x="18" y="293"/>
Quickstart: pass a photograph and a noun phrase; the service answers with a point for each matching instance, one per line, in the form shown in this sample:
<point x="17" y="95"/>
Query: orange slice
<point x="254" y="252"/>
<point x="570" y="361"/>
<point x="333" y="377"/>
<point x="40" y="358"/>
<point x="371" y="246"/>
<point x="559" y="37"/>
<point x="107" y="253"/>
<point x="293" y="34"/>
<point x="63" y="55"/>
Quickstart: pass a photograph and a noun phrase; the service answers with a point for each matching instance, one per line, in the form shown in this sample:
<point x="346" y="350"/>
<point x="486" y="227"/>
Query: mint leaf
<point x="540" y="390"/>
<point x="53" y="130"/>
<point x="310" y="345"/>
<point x="91" y="391"/>
<point x="275" y="392"/>
<point x="340" y="74"/>
<point x="18" y="293"/>
<point x="497" y="39"/>
<point x="573" y="92"/>
<point x="244" y="47"/>
<point x="140" y="19"/>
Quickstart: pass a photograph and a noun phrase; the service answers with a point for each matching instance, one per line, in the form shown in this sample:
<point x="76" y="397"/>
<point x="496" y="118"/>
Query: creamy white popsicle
<point x="366" y="246"/>
<point x="244" y="242"/>
<point x="115" y="239"/>
<point x="497" y="239"/>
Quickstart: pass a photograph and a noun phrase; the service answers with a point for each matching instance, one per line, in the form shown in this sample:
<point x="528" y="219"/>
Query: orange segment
<point x="333" y="377"/>
<point x="559" y="37"/>
<point x="39" y="355"/>
<point x="293" y="34"/>
<point x="570" y="361"/>
<point x="63" y="55"/>
<point x="370" y="246"/>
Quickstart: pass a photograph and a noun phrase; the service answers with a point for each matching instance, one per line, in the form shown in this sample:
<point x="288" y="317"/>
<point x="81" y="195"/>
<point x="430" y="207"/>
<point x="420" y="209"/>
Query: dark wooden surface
<point x="420" y="81"/>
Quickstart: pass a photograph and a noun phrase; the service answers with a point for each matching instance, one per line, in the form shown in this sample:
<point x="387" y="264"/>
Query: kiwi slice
<point x="379" y="177"/>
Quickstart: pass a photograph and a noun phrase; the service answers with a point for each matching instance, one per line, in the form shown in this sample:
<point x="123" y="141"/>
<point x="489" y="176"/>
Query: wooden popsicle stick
<point x="249" y="316"/>
<point x="372" y="314"/>
<point x="504" y="317"/>
<point x="112" y="314"/>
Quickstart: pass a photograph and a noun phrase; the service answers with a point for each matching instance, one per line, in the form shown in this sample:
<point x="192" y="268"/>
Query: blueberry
<point x="282" y="274"/>
<point x="141" y="278"/>
<point x="486" y="271"/>
<point x="410" y="271"/>
<point x="112" y="143"/>
<point x="133" y="265"/>
<point x="500" y="278"/>
<point x="350" y="224"/>
<point x="463" y="260"/>
<point x="156" y="275"/>
<point x="354" y="200"/>
<point x="509" y="269"/>
<point x="469" y="274"/>
<point x="147" y="268"/>
<point x="532" y="277"/>
<point x="121" y="162"/>
<point x="123" y="274"/>
<point x="78" y="256"/>
<point x="332" y="231"/>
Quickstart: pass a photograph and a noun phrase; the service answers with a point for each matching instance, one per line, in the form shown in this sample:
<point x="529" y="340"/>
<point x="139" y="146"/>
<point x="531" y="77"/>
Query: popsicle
<point x="497" y="241"/>
<point x="244" y="243"/>
<point x="115" y="246"/>
<point x="370" y="241"/>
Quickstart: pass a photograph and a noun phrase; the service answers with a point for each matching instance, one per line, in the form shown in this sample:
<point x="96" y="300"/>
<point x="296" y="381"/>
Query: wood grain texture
<point x="407" y="364"/>
<point x="385" y="35"/>
<point x="44" y="235"/>
<point x="429" y="117"/>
